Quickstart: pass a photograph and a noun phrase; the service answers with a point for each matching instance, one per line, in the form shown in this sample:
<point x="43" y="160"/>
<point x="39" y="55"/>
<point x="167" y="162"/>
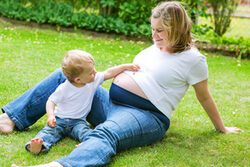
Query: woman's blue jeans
<point x="30" y="106"/>
<point x="117" y="127"/>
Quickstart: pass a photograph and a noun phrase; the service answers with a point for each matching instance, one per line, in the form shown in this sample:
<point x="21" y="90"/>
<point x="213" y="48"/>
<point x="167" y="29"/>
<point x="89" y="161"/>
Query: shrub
<point x="131" y="22"/>
<point x="222" y="11"/>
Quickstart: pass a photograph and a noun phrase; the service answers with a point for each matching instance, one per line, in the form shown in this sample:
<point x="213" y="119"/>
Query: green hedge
<point x="239" y="46"/>
<point x="63" y="15"/>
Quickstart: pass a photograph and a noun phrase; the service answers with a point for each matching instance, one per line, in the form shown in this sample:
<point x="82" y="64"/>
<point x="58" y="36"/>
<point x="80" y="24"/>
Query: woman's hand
<point x="229" y="130"/>
<point x="207" y="102"/>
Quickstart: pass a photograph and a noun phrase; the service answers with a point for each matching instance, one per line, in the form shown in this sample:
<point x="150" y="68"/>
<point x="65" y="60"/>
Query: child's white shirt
<point x="75" y="102"/>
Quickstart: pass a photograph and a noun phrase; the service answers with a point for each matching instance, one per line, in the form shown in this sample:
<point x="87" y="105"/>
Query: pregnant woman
<point x="137" y="109"/>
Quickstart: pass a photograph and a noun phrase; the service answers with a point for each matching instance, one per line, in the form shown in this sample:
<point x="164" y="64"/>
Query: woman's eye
<point x="158" y="31"/>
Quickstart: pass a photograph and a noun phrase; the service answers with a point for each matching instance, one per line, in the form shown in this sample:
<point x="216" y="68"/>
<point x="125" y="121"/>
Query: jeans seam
<point x="93" y="162"/>
<point x="160" y="127"/>
<point x="140" y="135"/>
<point x="102" y="159"/>
<point x="102" y="101"/>
<point x="64" y="163"/>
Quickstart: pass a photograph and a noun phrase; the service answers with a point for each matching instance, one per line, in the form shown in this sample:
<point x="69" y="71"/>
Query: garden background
<point x="34" y="36"/>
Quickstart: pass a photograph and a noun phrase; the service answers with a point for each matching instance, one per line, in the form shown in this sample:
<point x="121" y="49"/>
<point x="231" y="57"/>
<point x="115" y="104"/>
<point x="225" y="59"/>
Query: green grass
<point x="29" y="55"/>
<point x="238" y="26"/>
<point x="243" y="10"/>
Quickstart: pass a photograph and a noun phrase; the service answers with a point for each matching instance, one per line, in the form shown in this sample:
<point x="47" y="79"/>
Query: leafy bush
<point x="137" y="12"/>
<point x="201" y="29"/>
<point x="132" y="20"/>
<point x="222" y="11"/>
<point x="62" y="14"/>
<point x="238" y="45"/>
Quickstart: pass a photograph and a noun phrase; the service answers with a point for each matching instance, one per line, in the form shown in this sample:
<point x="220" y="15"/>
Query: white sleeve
<point x="57" y="96"/>
<point x="198" y="72"/>
<point x="99" y="78"/>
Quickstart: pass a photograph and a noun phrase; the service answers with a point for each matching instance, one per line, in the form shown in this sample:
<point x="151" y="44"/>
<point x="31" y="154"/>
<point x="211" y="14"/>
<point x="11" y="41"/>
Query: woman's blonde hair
<point x="76" y="62"/>
<point x="177" y="23"/>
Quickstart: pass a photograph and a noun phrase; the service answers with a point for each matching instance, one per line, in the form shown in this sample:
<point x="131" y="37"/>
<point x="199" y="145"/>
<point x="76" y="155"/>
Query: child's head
<point x="78" y="67"/>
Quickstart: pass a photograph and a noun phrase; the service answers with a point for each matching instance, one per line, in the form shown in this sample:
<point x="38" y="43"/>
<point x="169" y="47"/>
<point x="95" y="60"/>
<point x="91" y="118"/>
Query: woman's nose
<point x="154" y="34"/>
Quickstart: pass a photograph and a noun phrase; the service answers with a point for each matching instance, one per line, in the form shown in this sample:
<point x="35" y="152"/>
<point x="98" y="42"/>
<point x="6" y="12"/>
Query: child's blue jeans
<point x="75" y="128"/>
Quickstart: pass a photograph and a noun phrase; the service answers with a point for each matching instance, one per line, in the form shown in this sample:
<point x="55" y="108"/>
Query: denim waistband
<point x="122" y="96"/>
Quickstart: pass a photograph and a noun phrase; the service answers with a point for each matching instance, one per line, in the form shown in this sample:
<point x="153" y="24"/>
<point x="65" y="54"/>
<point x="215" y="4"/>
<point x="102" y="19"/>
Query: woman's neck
<point x="166" y="49"/>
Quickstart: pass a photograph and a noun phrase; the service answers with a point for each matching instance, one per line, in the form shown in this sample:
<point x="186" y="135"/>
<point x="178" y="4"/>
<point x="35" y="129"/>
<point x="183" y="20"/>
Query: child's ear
<point x="77" y="80"/>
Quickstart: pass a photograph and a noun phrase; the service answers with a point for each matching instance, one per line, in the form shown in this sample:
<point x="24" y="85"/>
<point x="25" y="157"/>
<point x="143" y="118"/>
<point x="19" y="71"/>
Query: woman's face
<point x="159" y="34"/>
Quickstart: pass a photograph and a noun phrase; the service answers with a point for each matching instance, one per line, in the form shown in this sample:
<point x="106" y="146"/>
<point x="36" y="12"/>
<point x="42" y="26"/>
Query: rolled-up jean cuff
<point x="18" y="125"/>
<point x="26" y="146"/>
<point x="64" y="164"/>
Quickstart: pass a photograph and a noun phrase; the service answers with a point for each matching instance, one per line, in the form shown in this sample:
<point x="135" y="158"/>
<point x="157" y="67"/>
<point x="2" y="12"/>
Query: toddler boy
<point x="68" y="107"/>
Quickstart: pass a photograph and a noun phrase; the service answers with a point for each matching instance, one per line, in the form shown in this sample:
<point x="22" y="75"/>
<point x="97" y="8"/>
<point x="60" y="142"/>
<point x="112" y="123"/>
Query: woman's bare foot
<point x="6" y="124"/>
<point x="78" y="145"/>
<point x="52" y="164"/>
<point x="36" y="145"/>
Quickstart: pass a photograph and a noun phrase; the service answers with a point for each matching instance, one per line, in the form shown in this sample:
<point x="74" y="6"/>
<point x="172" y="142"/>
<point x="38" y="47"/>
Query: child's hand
<point x="133" y="67"/>
<point x="51" y="121"/>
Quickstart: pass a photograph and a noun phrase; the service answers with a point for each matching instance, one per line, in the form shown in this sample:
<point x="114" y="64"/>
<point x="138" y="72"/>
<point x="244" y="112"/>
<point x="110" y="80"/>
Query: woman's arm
<point x="207" y="102"/>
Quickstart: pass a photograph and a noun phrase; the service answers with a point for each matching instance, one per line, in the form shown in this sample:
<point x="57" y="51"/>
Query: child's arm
<point x="113" y="71"/>
<point x="50" y="107"/>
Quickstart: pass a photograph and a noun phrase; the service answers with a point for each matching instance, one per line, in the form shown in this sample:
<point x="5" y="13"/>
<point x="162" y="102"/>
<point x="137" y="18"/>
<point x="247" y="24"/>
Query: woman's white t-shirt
<point x="165" y="77"/>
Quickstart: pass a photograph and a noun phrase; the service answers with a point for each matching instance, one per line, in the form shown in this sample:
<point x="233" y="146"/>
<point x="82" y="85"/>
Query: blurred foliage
<point x="222" y="12"/>
<point x="126" y="17"/>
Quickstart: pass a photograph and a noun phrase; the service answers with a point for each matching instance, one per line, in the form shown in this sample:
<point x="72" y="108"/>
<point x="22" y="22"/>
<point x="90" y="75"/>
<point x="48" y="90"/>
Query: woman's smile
<point x="158" y="40"/>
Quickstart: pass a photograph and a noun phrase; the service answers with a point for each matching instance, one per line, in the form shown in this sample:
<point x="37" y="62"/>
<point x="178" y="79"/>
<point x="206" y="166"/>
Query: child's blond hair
<point x="76" y="62"/>
<point x="177" y="23"/>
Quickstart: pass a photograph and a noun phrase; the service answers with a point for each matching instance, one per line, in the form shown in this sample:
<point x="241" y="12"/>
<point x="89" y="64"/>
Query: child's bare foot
<point x="36" y="145"/>
<point x="6" y="124"/>
<point x="52" y="164"/>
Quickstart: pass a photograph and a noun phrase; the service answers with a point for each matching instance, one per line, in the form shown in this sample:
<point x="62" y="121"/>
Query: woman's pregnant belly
<point x="125" y="81"/>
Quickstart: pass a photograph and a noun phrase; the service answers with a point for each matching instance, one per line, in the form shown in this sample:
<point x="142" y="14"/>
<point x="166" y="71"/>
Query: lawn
<point x="27" y="55"/>
<point x="238" y="27"/>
